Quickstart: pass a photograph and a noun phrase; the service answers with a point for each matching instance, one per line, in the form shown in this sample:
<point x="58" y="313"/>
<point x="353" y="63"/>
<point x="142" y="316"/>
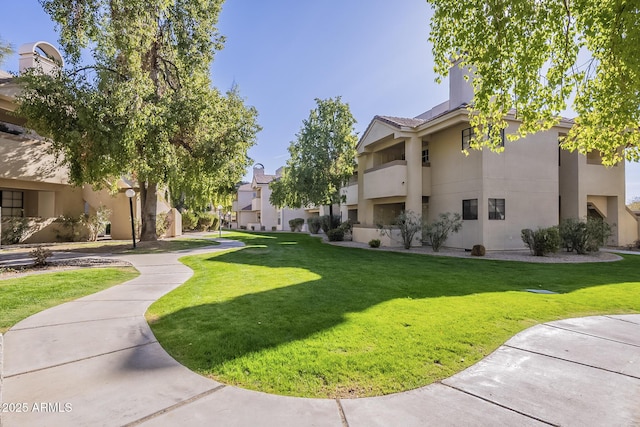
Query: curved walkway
<point x="94" y="361"/>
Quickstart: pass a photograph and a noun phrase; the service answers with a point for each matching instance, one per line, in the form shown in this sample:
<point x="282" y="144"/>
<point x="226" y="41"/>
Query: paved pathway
<point x="95" y="362"/>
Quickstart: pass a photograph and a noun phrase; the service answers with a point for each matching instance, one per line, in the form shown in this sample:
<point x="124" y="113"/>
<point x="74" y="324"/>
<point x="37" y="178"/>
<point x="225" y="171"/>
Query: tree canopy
<point x="534" y="57"/>
<point x="5" y="49"/>
<point x="322" y="158"/>
<point x="143" y="106"/>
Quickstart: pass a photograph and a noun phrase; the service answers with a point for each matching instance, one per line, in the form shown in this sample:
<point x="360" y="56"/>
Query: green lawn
<point x="290" y="315"/>
<point x="24" y="296"/>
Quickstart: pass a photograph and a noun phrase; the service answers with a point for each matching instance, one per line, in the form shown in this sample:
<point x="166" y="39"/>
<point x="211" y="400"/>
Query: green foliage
<point x="162" y="223"/>
<point x="335" y="235"/>
<point x="296" y="224"/>
<point x="374" y="243"/>
<point x="329" y="222"/>
<point x="189" y="221"/>
<point x="584" y="236"/>
<point x="322" y="158"/>
<point x="40" y="256"/>
<point x="438" y="231"/>
<point x="14" y="230"/>
<point x="207" y="222"/>
<point x="408" y="223"/>
<point x="314" y="223"/>
<point x="542" y="241"/>
<point x="5" y="50"/>
<point x="97" y="223"/>
<point x="71" y="228"/>
<point x="528" y="57"/>
<point x="144" y="106"/>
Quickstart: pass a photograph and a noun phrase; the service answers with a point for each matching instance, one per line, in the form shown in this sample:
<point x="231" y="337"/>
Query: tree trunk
<point x="149" y="202"/>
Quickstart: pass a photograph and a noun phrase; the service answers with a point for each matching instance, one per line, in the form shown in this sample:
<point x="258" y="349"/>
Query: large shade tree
<point x="322" y="158"/>
<point x="142" y="106"/>
<point x="535" y="57"/>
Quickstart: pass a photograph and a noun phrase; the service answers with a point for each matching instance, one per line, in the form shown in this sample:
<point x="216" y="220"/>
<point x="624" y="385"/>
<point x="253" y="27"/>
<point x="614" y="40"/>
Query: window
<point x="12" y="203"/>
<point x="496" y="209"/>
<point x="470" y="209"/>
<point x="467" y="136"/>
<point x="425" y="155"/>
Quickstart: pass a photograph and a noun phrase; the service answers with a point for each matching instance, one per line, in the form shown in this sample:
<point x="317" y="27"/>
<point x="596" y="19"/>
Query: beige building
<point x="418" y="164"/>
<point x="34" y="185"/>
<point x="252" y="208"/>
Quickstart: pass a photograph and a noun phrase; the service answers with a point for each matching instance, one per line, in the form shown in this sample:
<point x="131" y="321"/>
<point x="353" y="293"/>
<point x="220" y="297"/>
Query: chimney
<point x="460" y="90"/>
<point x="40" y="55"/>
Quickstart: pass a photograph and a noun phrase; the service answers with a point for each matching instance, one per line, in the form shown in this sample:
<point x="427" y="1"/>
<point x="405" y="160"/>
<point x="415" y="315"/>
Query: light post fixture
<point x="130" y="193"/>
<point x="219" y="220"/>
<point x="228" y="216"/>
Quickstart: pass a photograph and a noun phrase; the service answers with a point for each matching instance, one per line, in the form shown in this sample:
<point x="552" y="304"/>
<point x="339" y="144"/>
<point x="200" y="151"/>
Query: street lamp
<point x="130" y="193"/>
<point x="219" y="220"/>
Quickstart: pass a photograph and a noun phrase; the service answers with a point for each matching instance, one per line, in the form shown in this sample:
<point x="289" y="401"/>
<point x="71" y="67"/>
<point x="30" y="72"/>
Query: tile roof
<point x="264" y="179"/>
<point x="400" y="121"/>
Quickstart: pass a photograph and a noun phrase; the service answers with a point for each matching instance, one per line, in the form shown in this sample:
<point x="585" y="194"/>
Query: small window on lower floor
<point x="496" y="209"/>
<point x="470" y="209"/>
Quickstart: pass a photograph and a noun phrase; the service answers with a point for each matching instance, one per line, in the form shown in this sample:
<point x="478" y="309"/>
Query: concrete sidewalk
<point x="95" y="362"/>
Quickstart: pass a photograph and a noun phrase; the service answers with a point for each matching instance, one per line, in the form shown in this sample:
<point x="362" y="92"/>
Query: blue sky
<point x="283" y="54"/>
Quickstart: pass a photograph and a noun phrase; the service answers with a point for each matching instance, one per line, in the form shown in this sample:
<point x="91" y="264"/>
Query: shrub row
<point x="572" y="234"/>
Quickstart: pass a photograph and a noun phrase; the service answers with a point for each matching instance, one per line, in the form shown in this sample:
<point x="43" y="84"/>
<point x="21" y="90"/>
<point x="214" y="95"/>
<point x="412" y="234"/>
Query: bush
<point x="71" y="228"/>
<point x="97" y="223"/>
<point x="542" y="241"/>
<point x="478" y="250"/>
<point x="189" y="221"/>
<point x="40" y="256"/>
<point x="207" y="222"/>
<point x="583" y="237"/>
<point x="408" y="223"/>
<point x="374" y="243"/>
<point x="162" y="223"/>
<point x="335" y="235"/>
<point x="328" y="223"/>
<point x="438" y="231"/>
<point x="14" y="229"/>
<point x="314" y="223"/>
<point x="296" y="224"/>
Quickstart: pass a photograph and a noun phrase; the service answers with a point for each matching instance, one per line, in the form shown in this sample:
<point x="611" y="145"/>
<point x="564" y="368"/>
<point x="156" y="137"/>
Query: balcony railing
<point x="386" y="180"/>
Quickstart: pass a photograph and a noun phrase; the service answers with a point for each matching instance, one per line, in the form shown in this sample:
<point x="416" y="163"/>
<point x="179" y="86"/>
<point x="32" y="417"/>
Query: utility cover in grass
<point x="540" y="291"/>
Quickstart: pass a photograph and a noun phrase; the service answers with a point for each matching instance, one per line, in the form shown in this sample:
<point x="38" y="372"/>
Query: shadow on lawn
<point x="266" y="319"/>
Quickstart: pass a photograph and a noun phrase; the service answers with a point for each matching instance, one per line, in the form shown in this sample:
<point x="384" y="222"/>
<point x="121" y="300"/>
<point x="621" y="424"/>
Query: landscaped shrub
<point x="438" y="231"/>
<point x="314" y="224"/>
<point x="478" y="250"/>
<point x="542" y="241"/>
<point x="329" y="223"/>
<point x="407" y="223"/>
<point x="162" y="223"/>
<point x="14" y="229"/>
<point x="374" y="243"/>
<point x="583" y="237"/>
<point x="71" y="229"/>
<point x="97" y="223"/>
<point x="296" y="224"/>
<point x="207" y="222"/>
<point x="189" y="221"/>
<point x="347" y="227"/>
<point x="335" y="235"/>
<point x="40" y="256"/>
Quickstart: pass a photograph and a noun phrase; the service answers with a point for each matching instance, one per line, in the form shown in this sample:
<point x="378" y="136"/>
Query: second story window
<point x="468" y="134"/>
<point x="425" y="155"/>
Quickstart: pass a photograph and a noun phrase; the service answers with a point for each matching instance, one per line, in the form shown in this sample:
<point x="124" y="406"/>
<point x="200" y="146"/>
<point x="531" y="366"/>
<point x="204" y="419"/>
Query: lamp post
<point x="130" y="193"/>
<point x="219" y="220"/>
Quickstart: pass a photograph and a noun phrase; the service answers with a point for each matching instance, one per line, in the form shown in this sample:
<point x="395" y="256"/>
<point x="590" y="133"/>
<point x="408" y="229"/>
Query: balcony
<point x="386" y="180"/>
<point x="256" y="204"/>
<point x="351" y="194"/>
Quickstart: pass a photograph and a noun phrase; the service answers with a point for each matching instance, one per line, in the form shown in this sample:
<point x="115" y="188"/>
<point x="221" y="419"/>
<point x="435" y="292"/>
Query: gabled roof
<point x="400" y="121"/>
<point x="245" y="187"/>
<point x="263" y="179"/>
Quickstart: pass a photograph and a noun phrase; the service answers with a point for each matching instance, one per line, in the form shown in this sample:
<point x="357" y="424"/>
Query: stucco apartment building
<point x="252" y="208"/>
<point x="33" y="184"/>
<point x="418" y="164"/>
